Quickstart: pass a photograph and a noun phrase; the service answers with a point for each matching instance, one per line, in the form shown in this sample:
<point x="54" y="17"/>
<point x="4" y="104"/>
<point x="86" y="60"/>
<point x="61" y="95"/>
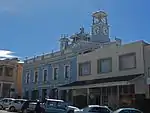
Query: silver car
<point x="94" y="109"/>
<point x="5" y="102"/>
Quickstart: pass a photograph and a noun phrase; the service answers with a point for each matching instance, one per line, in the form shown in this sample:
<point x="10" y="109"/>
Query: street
<point x="3" y="111"/>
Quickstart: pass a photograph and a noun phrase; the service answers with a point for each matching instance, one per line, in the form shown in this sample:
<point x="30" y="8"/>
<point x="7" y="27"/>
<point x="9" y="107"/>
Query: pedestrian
<point x="24" y="107"/>
<point x="38" y="108"/>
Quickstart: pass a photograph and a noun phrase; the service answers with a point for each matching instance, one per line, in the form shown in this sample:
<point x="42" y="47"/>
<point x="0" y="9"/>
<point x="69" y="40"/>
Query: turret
<point x="64" y="42"/>
<point x="100" y="27"/>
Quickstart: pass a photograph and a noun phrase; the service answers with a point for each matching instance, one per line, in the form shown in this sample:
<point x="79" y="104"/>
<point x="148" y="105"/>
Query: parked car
<point x="94" y="109"/>
<point x="58" y="106"/>
<point x="5" y="102"/>
<point x="127" y="110"/>
<point x="16" y="105"/>
<point x="29" y="106"/>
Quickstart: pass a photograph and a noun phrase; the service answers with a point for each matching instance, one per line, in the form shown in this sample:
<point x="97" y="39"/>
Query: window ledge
<point x="126" y="69"/>
<point x="104" y="72"/>
<point x="85" y="75"/>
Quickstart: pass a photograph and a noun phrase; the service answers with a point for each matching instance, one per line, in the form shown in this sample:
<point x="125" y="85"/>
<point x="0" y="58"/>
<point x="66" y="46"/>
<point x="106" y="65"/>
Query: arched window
<point x="27" y="77"/>
<point x="35" y="76"/>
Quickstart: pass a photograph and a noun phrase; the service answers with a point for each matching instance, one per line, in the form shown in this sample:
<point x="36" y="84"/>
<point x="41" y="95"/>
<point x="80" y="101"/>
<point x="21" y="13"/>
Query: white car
<point x="127" y="110"/>
<point x="94" y="109"/>
<point x="5" y="102"/>
<point x="16" y="105"/>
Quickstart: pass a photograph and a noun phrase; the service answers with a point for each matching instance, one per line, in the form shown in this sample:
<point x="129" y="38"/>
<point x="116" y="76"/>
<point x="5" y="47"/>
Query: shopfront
<point x="115" y="91"/>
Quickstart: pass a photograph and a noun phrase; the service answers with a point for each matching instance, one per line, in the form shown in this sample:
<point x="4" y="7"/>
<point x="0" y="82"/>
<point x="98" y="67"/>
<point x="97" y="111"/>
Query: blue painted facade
<point x="50" y="83"/>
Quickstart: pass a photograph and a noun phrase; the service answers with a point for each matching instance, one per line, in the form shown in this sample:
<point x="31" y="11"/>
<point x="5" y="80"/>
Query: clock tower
<point x="100" y="27"/>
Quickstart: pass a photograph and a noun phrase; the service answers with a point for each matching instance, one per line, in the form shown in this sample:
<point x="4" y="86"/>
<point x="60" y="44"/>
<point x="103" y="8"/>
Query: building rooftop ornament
<point x="64" y="38"/>
<point x="81" y="30"/>
<point x="99" y="14"/>
<point x="81" y="36"/>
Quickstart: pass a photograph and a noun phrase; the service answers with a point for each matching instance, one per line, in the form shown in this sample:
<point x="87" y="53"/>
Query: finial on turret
<point x="81" y="30"/>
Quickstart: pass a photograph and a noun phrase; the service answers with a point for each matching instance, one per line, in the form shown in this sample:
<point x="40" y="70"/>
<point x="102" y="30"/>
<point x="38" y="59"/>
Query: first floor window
<point x="1" y="71"/>
<point x="36" y="77"/>
<point x="84" y="68"/>
<point x="67" y="71"/>
<point x="55" y="73"/>
<point x="9" y="71"/>
<point x="27" y="77"/>
<point x="104" y="65"/>
<point x="127" y="61"/>
<point x="45" y="75"/>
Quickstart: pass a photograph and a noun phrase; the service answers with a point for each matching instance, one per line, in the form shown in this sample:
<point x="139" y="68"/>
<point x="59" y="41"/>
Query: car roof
<point x="9" y="98"/>
<point x="21" y="99"/>
<point x="97" y="106"/>
<point x="55" y="100"/>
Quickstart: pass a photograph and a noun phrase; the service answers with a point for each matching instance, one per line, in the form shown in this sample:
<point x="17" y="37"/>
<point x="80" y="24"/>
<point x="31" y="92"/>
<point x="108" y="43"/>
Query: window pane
<point x="85" y="68"/>
<point x="8" y="71"/>
<point x="45" y="75"/>
<point x="27" y="77"/>
<point x="67" y="71"/>
<point x="104" y="65"/>
<point x="127" y="61"/>
<point x="1" y="71"/>
<point x="55" y="73"/>
<point x="36" y="77"/>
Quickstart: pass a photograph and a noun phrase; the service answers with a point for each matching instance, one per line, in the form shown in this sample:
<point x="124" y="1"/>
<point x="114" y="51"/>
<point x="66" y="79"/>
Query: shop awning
<point x="111" y="80"/>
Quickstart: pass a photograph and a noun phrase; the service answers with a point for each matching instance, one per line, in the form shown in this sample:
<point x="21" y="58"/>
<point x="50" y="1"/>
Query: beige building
<point x="111" y="75"/>
<point x="10" y="77"/>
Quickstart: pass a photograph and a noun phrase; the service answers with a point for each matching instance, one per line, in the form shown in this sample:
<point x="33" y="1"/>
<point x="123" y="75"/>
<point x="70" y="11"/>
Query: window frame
<point x="27" y="74"/>
<point x="80" y="70"/>
<point x="36" y="71"/>
<point x="9" y="71"/>
<point x="45" y="80"/>
<point x="99" y="65"/>
<point x="125" y="55"/>
<point x="1" y="70"/>
<point x="66" y="72"/>
<point x="56" y="67"/>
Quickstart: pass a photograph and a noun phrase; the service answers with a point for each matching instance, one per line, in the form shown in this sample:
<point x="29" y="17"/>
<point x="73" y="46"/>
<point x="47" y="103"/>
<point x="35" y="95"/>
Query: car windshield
<point x="54" y="103"/>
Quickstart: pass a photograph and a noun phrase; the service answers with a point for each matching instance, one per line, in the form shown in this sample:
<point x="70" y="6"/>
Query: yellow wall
<point x="19" y="79"/>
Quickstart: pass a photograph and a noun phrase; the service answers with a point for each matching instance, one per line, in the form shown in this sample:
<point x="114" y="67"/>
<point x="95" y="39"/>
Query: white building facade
<point x="112" y="75"/>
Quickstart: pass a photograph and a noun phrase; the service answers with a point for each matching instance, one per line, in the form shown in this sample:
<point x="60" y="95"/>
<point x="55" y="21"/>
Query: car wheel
<point x="12" y="109"/>
<point x="1" y="107"/>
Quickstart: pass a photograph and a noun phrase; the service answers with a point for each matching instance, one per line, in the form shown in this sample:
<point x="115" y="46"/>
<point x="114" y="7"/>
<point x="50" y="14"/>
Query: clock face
<point x="96" y="30"/>
<point x="103" y="20"/>
<point x="105" y="30"/>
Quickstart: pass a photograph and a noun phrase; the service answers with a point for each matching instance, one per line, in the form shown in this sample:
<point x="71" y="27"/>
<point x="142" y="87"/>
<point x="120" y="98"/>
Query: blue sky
<point x="31" y="27"/>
